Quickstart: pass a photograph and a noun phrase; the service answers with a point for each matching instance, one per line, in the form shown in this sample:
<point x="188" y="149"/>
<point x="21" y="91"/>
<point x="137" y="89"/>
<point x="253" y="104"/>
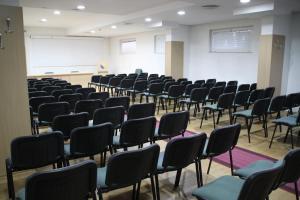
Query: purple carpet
<point x="243" y="157"/>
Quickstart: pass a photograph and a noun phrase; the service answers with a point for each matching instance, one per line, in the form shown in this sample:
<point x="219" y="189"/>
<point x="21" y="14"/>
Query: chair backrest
<point x="199" y="82"/>
<point x="39" y="86"/>
<point x="173" y="124"/>
<point x="230" y="89"/>
<point x="114" y="115"/>
<point x="137" y="131"/>
<point x="49" y="89"/>
<point x="255" y="95"/>
<point x="127" y="83"/>
<point x="222" y="140"/>
<point x="85" y="91"/>
<point x="185" y="83"/>
<point x="176" y="91"/>
<point x="241" y="98"/>
<point x="57" y="93"/>
<point x="66" y="123"/>
<point x="153" y="76"/>
<point x="291" y="171"/>
<point x="215" y="92"/>
<point x="32" y="89"/>
<point x="291" y="100"/>
<point x="155" y="88"/>
<point x="180" y="152"/>
<point x="73" y="87"/>
<point x="269" y="92"/>
<point x="62" y="85"/>
<point x="181" y="80"/>
<point x="220" y="84"/>
<point x="261" y="106"/>
<point x="70" y="98"/>
<point x="95" y="78"/>
<point x="208" y="85"/>
<point x="232" y="83"/>
<point x="259" y="185"/>
<point x="99" y="95"/>
<point x="29" y="152"/>
<point x="277" y="103"/>
<point x="199" y="94"/>
<point x="130" y="167"/>
<point x="37" y="94"/>
<point x="104" y="80"/>
<point x="89" y="141"/>
<point x="243" y="87"/>
<point x="88" y="106"/>
<point x="253" y="86"/>
<point x="189" y="88"/>
<point x="143" y="110"/>
<point x="48" y="111"/>
<point x="118" y="101"/>
<point x="35" y="102"/>
<point x="59" y="81"/>
<point x="74" y="182"/>
<point x="140" y="86"/>
<point x="168" y="84"/>
<point x="211" y="81"/>
<point x="225" y="101"/>
<point x="115" y="81"/>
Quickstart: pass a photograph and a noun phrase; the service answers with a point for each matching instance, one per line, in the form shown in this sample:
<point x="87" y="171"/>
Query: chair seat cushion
<point x="101" y="177"/>
<point x="212" y="107"/>
<point x="288" y="120"/>
<point x="20" y="194"/>
<point x="244" y="113"/>
<point x="226" y="187"/>
<point x="116" y="140"/>
<point x="67" y="149"/>
<point x="167" y="97"/>
<point x="160" y="168"/>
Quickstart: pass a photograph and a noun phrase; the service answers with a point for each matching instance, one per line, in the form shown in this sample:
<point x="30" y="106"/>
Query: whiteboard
<point x="65" y="52"/>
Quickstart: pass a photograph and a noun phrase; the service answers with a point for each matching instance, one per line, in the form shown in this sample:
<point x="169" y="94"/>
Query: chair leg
<point x="209" y="165"/>
<point x="265" y="125"/>
<point x="296" y="190"/>
<point x="153" y="188"/>
<point x="200" y="172"/>
<point x="292" y="139"/>
<point x="273" y="136"/>
<point x="137" y="195"/>
<point x="100" y="196"/>
<point x="230" y="115"/>
<point x="248" y="130"/>
<point x="178" y="174"/>
<point x="203" y="115"/>
<point x="231" y="162"/>
<point x="141" y="98"/>
<point x="166" y="105"/>
<point x="157" y="187"/>
<point x="214" y="121"/>
<point x="197" y="174"/>
<point x="133" y="192"/>
<point x="286" y="135"/>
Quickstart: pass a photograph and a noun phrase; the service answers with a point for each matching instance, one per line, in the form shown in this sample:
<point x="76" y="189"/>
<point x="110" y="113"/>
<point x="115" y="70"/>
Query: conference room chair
<point x="49" y="89"/>
<point x="243" y="87"/>
<point x="167" y="85"/>
<point x="142" y="110"/>
<point x="128" y="169"/>
<point x="179" y="154"/>
<point x="58" y="82"/>
<point x="132" y="76"/>
<point x="98" y="95"/>
<point x="125" y="85"/>
<point x="118" y="101"/>
<point x="32" y="89"/>
<point x="121" y="76"/>
<point x="169" y="80"/>
<point x="257" y="186"/>
<point x="188" y="89"/>
<point x="151" y="81"/>
<point x="114" y="115"/>
<point x="241" y="100"/>
<point x="153" y="76"/>
<point x="291" y="121"/>
<point x="290" y="172"/>
<point x="175" y="92"/>
<point x="197" y="97"/>
<point x="90" y="141"/>
<point x="214" y="94"/>
<point x="138" y="88"/>
<point x="113" y="83"/>
<point x="199" y="82"/>
<point x="76" y="182"/>
<point x="135" y="132"/>
<point x="71" y="99"/>
<point x="95" y="80"/>
<point x="208" y="85"/>
<point x="269" y="92"/>
<point x="31" y="152"/>
<point x="255" y="95"/>
<point x="73" y="87"/>
<point x="220" y="84"/>
<point x="232" y="83"/>
<point x="39" y="86"/>
<point x="230" y="89"/>
<point x="57" y="93"/>
<point x="104" y="80"/>
<point x="277" y="105"/>
<point x="85" y="91"/>
<point x="225" y="102"/>
<point x="53" y="80"/>
<point x="181" y="80"/>
<point x="32" y="122"/>
<point x="259" y="110"/>
<point x="155" y="89"/>
<point x="253" y="86"/>
<point x="221" y="140"/>
<point x="292" y="101"/>
<point x="35" y="102"/>
<point x="62" y="85"/>
<point x="185" y="83"/>
<point x="171" y="125"/>
<point x="88" y="106"/>
<point x="66" y="123"/>
<point x="211" y="81"/>
<point x="37" y="94"/>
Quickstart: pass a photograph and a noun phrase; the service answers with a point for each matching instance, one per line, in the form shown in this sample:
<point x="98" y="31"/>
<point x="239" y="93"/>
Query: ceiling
<point x="129" y="15"/>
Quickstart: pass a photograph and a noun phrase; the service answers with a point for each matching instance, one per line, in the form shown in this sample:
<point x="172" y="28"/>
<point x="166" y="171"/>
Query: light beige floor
<point x="188" y="180"/>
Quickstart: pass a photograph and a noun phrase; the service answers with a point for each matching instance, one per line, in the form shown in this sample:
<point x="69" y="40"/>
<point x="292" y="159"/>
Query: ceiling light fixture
<point x="92" y="31"/>
<point x="113" y="26"/>
<point x="245" y="1"/>
<point x="181" y="12"/>
<point x="148" y="19"/>
<point x="56" y="12"/>
<point x="80" y="7"/>
<point x="43" y="20"/>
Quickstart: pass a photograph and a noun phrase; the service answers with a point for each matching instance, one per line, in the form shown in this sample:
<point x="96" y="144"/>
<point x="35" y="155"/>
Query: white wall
<point x="222" y="66"/>
<point x="144" y="58"/>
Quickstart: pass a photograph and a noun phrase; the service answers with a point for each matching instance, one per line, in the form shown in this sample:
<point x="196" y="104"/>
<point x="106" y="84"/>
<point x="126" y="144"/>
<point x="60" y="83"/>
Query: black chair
<point x="118" y="101"/>
<point x="60" y="184"/>
<point x="32" y="89"/>
<point x="99" y="95"/>
<point x="208" y="85"/>
<point x="241" y="99"/>
<point x="181" y="80"/>
<point x="185" y="83"/>
<point x="138" y="88"/>
<point x="155" y="89"/>
<point x="39" y="86"/>
<point x="253" y="86"/>
<point x="292" y="101"/>
<point x="188" y="89"/>
<point x="114" y="115"/>
<point x="37" y="94"/>
<point x="220" y="84"/>
<point x="244" y="87"/>
<point x="125" y="85"/>
<point x="214" y="94"/>
<point x="85" y="91"/>
<point x="269" y="92"/>
<point x="50" y="89"/>
<point x="255" y="95"/>
<point x="30" y="152"/>
<point x="71" y="99"/>
<point x="35" y="102"/>
<point x="103" y="82"/>
<point x="113" y="83"/>
<point x="95" y="80"/>
<point x="277" y="105"/>
<point x="66" y="123"/>
<point x="57" y="93"/>
<point x="128" y="169"/>
<point x="88" y="106"/>
<point x="211" y="81"/>
<point x="225" y="101"/>
<point x="199" y="82"/>
<point x="143" y="110"/>
<point x="73" y="87"/>
<point x="290" y="174"/>
<point x="255" y="187"/>
<point x="175" y="92"/>
<point x="171" y="125"/>
<point x="153" y="76"/>
<point x="232" y="83"/>
<point x="135" y="132"/>
<point x="198" y="95"/>
<point x="58" y="82"/>
<point x="230" y="89"/>
<point x="180" y="153"/>
<point x="90" y="141"/>
<point x="221" y="140"/>
<point x="62" y="85"/>
<point x="291" y="122"/>
<point x="259" y="110"/>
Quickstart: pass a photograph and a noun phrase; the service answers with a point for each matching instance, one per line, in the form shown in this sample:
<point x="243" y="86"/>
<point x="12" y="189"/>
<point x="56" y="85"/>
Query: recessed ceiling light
<point x="181" y="12"/>
<point x="93" y="31"/>
<point x="245" y="1"/>
<point x="113" y="26"/>
<point x="56" y="12"/>
<point x="148" y="19"/>
<point x="43" y="20"/>
<point x="80" y="7"/>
